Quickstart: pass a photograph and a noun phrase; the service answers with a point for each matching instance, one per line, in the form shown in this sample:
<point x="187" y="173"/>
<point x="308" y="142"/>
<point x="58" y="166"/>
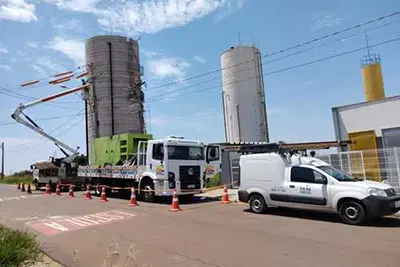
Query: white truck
<point x="158" y="167"/>
<point x="270" y="179"/>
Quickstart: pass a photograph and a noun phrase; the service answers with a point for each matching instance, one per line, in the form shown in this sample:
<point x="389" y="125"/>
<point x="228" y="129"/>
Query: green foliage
<point x="21" y="173"/>
<point x="18" y="248"/>
<point x="17" y="179"/>
<point x="215" y="181"/>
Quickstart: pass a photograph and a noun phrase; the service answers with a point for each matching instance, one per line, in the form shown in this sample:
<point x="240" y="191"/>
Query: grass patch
<point x="215" y="181"/>
<point x="17" y="179"/>
<point x="18" y="248"/>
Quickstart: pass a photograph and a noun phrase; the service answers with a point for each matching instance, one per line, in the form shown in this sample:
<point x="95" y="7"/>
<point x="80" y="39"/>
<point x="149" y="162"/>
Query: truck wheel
<point x="352" y="212"/>
<point x="148" y="196"/>
<point x="257" y="204"/>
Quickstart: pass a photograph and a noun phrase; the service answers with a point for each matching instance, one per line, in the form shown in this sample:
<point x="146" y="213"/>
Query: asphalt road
<point x="78" y="232"/>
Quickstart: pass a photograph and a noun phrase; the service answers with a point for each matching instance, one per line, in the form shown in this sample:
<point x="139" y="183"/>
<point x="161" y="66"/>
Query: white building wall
<point x="374" y="115"/>
<point x="243" y="95"/>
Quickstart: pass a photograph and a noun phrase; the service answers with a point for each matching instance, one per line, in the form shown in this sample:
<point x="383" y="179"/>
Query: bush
<point x="17" y="179"/>
<point x="18" y="248"/>
<point x="215" y="181"/>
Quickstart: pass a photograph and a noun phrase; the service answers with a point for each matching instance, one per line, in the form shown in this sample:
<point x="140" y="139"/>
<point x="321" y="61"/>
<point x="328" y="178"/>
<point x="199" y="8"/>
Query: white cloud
<point x="5" y="67"/>
<point x="154" y="15"/>
<point x="32" y="45"/>
<point x="68" y="27"/>
<point x="3" y="49"/>
<point x="72" y="48"/>
<point x="150" y="54"/>
<point x="17" y="10"/>
<point x="148" y="16"/>
<point x="75" y="5"/>
<point x="325" y="20"/>
<point x="39" y="70"/>
<point x="168" y="67"/>
<point x="45" y="66"/>
<point x="199" y="59"/>
<point x="231" y="7"/>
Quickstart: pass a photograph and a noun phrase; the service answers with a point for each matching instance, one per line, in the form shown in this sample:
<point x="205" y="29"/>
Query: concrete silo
<point x="243" y="96"/>
<point x="115" y="98"/>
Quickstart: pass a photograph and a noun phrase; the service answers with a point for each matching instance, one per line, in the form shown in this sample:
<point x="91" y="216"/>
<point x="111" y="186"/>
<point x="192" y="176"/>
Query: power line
<point x="280" y="70"/>
<point x="263" y="63"/>
<point x="281" y="51"/>
<point x="42" y="119"/>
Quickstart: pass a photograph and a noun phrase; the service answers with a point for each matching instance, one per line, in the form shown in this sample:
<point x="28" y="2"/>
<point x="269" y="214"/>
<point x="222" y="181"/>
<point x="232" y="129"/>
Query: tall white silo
<point x="243" y="96"/>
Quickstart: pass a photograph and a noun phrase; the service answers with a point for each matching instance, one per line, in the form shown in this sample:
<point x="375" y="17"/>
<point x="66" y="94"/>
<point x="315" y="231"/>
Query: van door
<point x="306" y="188"/>
<point x="213" y="166"/>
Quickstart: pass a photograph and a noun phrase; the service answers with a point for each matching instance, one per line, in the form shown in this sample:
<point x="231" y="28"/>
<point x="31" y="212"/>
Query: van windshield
<point x="337" y="174"/>
<point x="185" y="152"/>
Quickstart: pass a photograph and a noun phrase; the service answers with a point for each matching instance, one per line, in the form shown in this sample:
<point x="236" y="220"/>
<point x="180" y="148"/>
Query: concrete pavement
<point x="203" y="234"/>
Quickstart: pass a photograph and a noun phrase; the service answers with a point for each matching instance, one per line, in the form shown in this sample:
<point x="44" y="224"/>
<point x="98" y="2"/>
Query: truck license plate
<point x="191" y="186"/>
<point x="397" y="204"/>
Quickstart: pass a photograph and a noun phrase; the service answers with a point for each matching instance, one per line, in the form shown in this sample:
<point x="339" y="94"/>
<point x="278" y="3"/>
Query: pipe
<point x="224" y="109"/>
<point x="238" y="121"/>
<point x="87" y="130"/>
<point x="111" y="90"/>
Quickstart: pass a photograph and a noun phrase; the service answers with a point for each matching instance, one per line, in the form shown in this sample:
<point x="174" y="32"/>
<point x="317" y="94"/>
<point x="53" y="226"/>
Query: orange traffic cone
<point x="88" y="195"/>
<point x="103" y="197"/>
<point x="29" y="191"/>
<point x="133" y="201"/>
<point x="48" y="192"/>
<point x="225" y="197"/>
<point x="71" y="191"/>
<point x="175" y="203"/>
<point x="58" y="191"/>
<point x="19" y="186"/>
<point x="23" y="188"/>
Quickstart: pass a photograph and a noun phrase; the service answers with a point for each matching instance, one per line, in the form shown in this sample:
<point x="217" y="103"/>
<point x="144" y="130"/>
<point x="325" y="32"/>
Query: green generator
<point x="114" y="150"/>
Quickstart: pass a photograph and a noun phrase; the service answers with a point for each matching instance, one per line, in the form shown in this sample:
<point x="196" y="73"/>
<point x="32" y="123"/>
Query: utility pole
<point x="2" y="161"/>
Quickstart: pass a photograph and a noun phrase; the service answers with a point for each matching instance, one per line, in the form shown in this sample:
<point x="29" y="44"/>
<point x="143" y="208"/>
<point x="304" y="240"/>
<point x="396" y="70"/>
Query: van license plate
<point x="191" y="186"/>
<point x="397" y="204"/>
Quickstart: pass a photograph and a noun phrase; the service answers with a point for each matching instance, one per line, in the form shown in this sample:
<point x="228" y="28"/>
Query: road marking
<point x="18" y="197"/>
<point x="57" y="226"/>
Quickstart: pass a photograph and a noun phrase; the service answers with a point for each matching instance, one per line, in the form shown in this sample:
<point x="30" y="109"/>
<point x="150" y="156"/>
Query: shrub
<point x="18" y="248"/>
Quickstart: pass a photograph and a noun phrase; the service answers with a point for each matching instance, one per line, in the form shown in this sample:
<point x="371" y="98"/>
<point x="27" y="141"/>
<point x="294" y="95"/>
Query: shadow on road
<point x="385" y="222"/>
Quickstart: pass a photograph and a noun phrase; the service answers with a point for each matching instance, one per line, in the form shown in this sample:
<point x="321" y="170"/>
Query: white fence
<point x="379" y="165"/>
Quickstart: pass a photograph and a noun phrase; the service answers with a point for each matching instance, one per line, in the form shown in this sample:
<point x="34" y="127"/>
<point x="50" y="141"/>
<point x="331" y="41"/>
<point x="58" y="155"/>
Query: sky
<point x="180" y="39"/>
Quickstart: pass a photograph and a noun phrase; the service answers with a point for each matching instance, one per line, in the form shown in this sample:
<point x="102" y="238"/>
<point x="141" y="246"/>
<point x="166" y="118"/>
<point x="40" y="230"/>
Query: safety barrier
<point x="132" y="201"/>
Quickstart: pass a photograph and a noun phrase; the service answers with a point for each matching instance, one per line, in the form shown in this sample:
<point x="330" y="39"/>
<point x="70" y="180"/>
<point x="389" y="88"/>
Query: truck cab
<point x="171" y="163"/>
<point x="270" y="179"/>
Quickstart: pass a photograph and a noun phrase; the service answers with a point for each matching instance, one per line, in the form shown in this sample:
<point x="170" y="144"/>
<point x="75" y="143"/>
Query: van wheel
<point x="257" y="204"/>
<point x="352" y="212"/>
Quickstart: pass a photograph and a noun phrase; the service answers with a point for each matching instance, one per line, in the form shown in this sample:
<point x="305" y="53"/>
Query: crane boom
<point x="33" y="126"/>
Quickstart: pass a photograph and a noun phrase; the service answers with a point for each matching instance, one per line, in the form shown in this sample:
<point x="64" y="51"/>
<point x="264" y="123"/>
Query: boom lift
<point x="70" y="153"/>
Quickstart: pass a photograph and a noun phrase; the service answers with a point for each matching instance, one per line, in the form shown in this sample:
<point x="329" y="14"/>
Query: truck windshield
<point x="185" y="152"/>
<point x="337" y="174"/>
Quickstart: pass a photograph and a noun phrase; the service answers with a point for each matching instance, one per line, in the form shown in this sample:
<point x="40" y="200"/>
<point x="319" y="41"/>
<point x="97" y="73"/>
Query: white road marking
<point x="65" y="224"/>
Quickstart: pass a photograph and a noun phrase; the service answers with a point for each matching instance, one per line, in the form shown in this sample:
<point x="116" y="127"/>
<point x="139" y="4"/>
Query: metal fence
<point x="378" y="165"/>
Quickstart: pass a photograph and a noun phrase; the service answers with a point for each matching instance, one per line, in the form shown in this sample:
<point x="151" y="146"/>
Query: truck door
<point x="306" y="188"/>
<point x="213" y="165"/>
<point x="156" y="163"/>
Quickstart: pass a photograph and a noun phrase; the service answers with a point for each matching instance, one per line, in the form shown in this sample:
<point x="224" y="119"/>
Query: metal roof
<point x="44" y="165"/>
<point x="367" y="103"/>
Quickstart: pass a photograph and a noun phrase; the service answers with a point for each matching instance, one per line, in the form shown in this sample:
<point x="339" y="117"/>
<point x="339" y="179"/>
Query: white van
<point x="269" y="179"/>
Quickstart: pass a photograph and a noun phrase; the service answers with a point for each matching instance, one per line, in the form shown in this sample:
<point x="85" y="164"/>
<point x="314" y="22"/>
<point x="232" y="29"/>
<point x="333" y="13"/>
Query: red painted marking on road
<point x="54" y="227"/>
